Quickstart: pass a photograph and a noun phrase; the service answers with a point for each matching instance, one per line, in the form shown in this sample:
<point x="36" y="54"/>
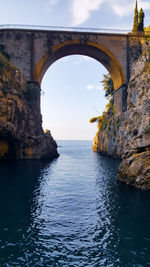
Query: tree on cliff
<point x="141" y="21"/>
<point x="109" y="89"/>
<point x="108" y="85"/>
<point x="135" y="23"/>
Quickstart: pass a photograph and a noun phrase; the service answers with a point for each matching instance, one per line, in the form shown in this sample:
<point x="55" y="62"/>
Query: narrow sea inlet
<point x="71" y="212"/>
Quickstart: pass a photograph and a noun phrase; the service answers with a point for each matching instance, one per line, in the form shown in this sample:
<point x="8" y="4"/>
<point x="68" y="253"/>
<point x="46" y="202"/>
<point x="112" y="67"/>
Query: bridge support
<point x="120" y="99"/>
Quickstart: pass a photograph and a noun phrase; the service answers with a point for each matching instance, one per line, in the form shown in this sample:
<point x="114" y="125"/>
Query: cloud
<point x="91" y="87"/>
<point x="122" y="9"/>
<point x="80" y="10"/>
<point x="125" y="7"/>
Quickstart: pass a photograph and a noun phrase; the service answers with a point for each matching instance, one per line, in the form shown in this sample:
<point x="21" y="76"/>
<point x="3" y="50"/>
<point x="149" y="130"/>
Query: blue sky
<point x="72" y="89"/>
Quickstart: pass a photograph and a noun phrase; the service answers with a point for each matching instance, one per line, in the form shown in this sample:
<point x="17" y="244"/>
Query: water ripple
<point x="71" y="212"/>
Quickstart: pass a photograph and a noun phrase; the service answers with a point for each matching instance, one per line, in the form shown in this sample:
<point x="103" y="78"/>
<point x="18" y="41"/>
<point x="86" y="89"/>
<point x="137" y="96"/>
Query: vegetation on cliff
<point x="108" y="86"/>
<point x="141" y="21"/>
<point x="135" y="23"/>
<point x="103" y="121"/>
<point x="11" y="79"/>
<point x="9" y="76"/>
<point x="138" y="23"/>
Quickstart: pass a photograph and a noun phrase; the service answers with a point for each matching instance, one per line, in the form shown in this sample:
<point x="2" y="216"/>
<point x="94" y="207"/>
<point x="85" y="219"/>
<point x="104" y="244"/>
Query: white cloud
<point x="90" y="87"/>
<point x="126" y="7"/>
<point x="80" y="10"/>
<point x="122" y="10"/>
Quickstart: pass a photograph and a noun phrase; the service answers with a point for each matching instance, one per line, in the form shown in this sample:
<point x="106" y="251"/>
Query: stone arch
<point x="91" y="49"/>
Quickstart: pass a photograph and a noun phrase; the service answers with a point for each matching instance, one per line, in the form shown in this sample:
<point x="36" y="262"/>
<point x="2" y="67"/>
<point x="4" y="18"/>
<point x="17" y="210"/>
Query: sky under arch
<point x="72" y="96"/>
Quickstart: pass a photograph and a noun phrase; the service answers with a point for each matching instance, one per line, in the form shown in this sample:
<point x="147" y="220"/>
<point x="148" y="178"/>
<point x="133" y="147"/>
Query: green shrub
<point x="108" y="85"/>
<point x="103" y="122"/>
<point x="31" y="92"/>
<point x="94" y="119"/>
<point x="47" y="131"/>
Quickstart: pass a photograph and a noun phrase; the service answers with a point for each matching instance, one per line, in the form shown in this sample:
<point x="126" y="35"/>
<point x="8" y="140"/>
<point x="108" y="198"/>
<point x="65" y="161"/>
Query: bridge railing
<point x="59" y="28"/>
<point x="70" y="29"/>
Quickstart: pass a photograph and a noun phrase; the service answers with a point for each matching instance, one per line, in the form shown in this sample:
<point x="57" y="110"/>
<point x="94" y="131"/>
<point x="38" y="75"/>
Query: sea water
<point x="71" y="212"/>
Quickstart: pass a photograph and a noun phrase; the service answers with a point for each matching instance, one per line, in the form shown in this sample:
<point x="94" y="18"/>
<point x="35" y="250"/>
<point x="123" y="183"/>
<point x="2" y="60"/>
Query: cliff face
<point x="128" y="136"/>
<point x="21" y="133"/>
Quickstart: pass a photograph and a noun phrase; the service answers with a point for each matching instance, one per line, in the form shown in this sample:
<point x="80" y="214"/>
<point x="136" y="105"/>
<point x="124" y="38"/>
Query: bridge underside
<point x="98" y="52"/>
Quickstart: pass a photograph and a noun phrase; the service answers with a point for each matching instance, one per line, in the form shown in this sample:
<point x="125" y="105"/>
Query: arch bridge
<point x="33" y="49"/>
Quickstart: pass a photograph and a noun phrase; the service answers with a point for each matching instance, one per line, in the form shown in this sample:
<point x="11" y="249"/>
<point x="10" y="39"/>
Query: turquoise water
<point x="71" y="212"/>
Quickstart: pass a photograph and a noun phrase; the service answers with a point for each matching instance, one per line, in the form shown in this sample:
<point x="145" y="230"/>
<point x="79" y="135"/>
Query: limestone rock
<point x="127" y="136"/>
<point x="135" y="170"/>
<point x="21" y="133"/>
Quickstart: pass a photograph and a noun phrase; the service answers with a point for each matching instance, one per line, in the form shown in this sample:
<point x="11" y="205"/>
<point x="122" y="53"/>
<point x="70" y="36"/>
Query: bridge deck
<point x="100" y="31"/>
<point x="59" y="28"/>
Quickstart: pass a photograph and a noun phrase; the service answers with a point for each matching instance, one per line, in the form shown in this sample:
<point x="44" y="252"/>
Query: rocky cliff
<point x="127" y="136"/>
<point x="21" y="133"/>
